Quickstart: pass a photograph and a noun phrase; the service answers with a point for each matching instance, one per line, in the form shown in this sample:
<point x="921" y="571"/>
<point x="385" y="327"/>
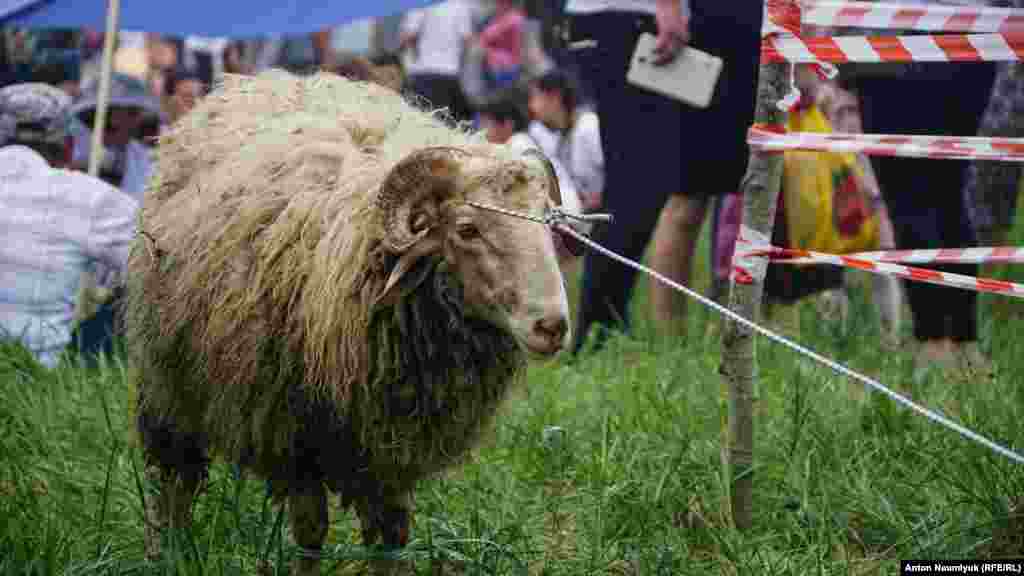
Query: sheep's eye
<point x="468" y="232"/>
<point x="420" y="223"/>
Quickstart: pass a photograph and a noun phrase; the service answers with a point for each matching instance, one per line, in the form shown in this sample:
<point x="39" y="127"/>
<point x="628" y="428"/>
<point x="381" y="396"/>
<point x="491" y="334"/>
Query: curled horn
<point x="403" y="198"/>
<point x="554" y="191"/>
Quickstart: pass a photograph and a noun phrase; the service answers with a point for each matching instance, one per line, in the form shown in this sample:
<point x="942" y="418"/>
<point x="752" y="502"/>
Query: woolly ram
<point x="313" y="297"/>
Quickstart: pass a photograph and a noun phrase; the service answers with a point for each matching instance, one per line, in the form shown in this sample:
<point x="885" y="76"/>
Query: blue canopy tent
<point x="237" y="19"/>
<point x="232" y="18"/>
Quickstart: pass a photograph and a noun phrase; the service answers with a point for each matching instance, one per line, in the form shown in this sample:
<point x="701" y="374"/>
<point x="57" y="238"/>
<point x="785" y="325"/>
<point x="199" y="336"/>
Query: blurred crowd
<point x="541" y="74"/>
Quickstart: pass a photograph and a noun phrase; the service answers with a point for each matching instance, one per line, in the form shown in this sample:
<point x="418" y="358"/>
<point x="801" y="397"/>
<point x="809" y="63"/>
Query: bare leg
<point x="387" y="519"/>
<point x="307" y="509"/>
<point x="675" y="247"/>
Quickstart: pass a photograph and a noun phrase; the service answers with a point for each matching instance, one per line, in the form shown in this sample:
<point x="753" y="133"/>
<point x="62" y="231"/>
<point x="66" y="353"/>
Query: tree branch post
<point x="760" y="188"/>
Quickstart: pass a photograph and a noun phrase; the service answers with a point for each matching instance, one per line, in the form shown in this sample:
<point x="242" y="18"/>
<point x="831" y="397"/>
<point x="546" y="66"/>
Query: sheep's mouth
<point x="540" y="350"/>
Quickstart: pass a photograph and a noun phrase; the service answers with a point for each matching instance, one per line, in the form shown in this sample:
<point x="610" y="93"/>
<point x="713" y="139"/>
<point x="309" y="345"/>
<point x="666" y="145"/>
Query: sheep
<point x="313" y="297"/>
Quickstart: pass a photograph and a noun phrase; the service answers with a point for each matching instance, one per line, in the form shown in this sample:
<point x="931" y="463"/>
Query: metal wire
<point x="553" y="216"/>
<point x="557" y="219"/>
<point x="837" y="367"/>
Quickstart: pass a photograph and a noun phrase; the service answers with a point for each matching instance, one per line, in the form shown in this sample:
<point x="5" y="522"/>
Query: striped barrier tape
<point x="782" y="23"/>
<point x="799" y="349"/>
<point x="769" y="138"/>
<point x="993" y="47"/>
<point x="982" y="255"/>
<point x="920" y="17"/>
<point x="792" y="256"/>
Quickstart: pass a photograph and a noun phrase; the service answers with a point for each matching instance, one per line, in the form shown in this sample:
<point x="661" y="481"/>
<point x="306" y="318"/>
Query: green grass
<point x="846" y="482"/>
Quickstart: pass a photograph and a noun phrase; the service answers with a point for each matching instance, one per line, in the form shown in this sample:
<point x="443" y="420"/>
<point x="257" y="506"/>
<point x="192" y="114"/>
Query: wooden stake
<point x="85" y="306"/>
<point x="103" y="93"/>
<point x="739" y="359"/>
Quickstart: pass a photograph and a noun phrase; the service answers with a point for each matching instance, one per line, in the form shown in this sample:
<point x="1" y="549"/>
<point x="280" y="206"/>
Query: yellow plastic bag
<point x="826" y="207"/>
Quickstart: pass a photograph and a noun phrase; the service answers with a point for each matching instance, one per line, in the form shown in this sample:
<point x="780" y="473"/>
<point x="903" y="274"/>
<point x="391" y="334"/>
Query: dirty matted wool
<point x="250" y="293"/>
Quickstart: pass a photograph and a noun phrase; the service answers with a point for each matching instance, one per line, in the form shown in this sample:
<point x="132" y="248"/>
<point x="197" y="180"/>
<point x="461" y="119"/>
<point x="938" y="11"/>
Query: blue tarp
<point x="232" y="18"/>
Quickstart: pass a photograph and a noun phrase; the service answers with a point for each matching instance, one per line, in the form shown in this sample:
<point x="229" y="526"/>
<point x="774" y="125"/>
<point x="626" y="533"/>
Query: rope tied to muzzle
<point x="557" y="219"/>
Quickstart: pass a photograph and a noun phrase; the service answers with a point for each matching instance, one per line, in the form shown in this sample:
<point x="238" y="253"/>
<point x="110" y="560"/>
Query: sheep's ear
<point x="409" y="272"/>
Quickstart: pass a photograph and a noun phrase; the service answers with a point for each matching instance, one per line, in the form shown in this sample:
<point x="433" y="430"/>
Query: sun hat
<point x="125" y="92"/>
<point x="33" y="112"/>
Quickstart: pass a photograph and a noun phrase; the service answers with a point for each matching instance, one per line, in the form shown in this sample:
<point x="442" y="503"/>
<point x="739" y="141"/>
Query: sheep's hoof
<point x="306" y="563"/>
<point x="391" y="567"/>
<point x="152" y="545"/>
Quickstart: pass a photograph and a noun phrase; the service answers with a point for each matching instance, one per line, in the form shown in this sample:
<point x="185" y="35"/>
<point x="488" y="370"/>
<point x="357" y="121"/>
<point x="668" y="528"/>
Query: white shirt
<point x="545" y="138"/>
<point x="592" y="6"/>
<point x="580" y="152"/>
<point x="441" y="31"/>
<point x="54" y="225"/>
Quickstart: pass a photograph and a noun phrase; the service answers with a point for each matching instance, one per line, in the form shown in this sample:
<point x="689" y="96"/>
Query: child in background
<point x="502" y="41"/>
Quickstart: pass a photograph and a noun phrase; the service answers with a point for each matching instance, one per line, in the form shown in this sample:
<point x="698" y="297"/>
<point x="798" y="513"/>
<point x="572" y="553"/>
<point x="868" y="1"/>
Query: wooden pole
<point x="103" y="92"/>
<point x="739" y="359"/>
<point x="87" y="288"/>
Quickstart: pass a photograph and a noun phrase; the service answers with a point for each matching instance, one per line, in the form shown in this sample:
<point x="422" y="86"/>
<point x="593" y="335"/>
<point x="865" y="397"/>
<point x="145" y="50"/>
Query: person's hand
<point x="673" y="31"/>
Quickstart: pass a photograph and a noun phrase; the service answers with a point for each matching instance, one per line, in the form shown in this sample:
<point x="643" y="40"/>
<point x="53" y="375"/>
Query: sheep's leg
<point x="387" y="518"/>
<point x="307" y="509"/>
<point x="154" y="519"/>
<point x="170" y="508"/>
<point x="176" y="465"/>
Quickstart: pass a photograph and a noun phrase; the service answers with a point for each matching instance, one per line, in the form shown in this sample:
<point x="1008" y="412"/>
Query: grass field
<point x="846" y="482"/>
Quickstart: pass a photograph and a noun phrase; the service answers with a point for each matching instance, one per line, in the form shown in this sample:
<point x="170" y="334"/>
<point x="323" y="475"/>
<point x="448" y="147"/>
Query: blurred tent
<point x="221" y="18"/>
<point x="218" y="18"/>
<point x="231" y="18"/>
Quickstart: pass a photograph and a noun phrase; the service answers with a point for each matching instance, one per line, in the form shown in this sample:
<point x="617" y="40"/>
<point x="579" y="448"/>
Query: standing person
<point x="662" y="157"/>
<point x="435" y="38"/>
<point x="502" y="42"/>
<point x="990" y="190"/>
<point x="55" y="224"/>
<point x="925" y="196"/>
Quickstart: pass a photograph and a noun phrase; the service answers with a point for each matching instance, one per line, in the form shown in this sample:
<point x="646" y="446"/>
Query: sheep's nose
<point x="553" y="329"/>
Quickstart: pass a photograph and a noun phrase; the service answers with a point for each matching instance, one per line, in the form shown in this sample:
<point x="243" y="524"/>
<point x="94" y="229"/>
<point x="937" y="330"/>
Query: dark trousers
<point x="654" y="146"/>
<point x="441" y="91"/>
<point x="925" y="196"/>
<point x="634" y="199"/>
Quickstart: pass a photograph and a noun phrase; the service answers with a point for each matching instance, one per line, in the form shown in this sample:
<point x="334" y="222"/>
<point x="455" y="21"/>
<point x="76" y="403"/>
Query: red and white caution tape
<point x="986" y="255"/>
<point x="789" y="255"/>
<point x="802" y="350"/>
<point x="920" y="48"/>
<point x="921" y="17"/>
<point x="782" y="21"/>
<point x="773" y="139"/>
